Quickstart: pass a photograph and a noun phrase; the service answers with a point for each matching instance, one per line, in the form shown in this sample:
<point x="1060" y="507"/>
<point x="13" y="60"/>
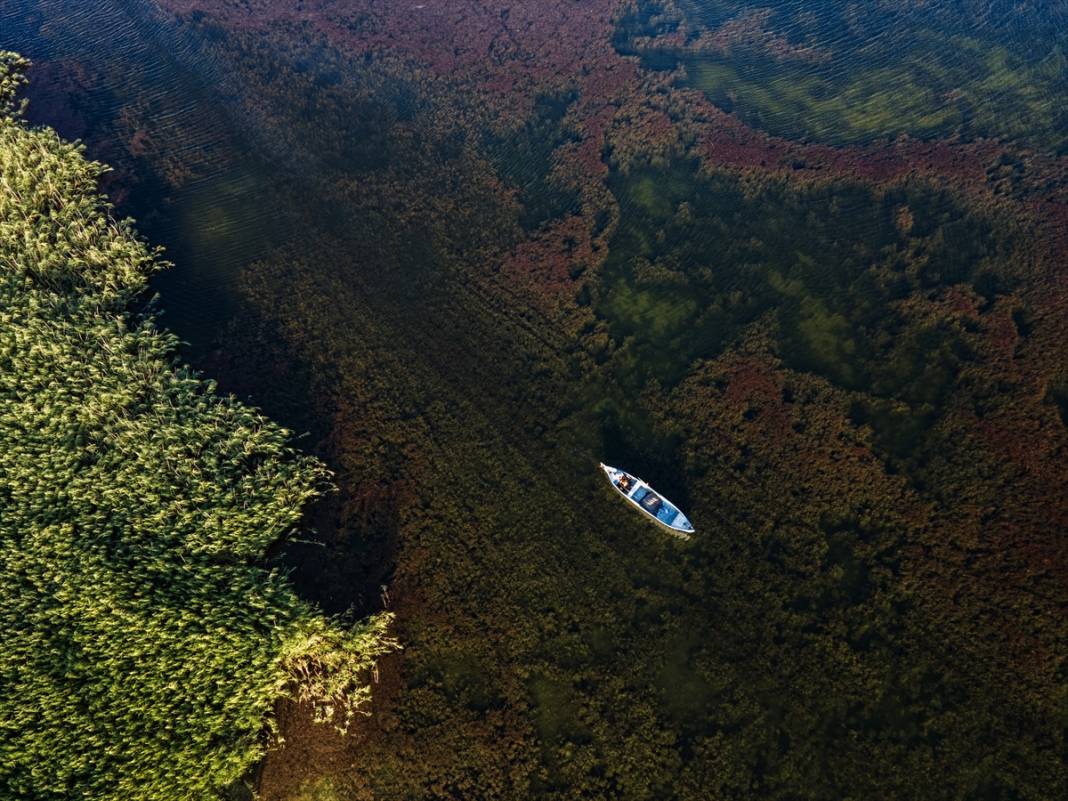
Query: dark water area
<point x="819" y="370"/>
<point x="104" y="69"/>
<point x="831" y="264"/>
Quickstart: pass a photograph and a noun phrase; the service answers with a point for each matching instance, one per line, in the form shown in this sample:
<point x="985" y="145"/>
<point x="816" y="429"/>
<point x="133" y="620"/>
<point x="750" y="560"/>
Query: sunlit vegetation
<point x="145" y="639"/>
<point x="854" y="72"/>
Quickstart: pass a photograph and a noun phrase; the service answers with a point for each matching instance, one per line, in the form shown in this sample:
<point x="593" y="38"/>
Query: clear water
<point x="856" y="72"/>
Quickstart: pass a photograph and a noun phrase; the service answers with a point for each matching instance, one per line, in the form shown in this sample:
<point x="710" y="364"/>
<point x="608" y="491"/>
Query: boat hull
<point x="650" y="503"/>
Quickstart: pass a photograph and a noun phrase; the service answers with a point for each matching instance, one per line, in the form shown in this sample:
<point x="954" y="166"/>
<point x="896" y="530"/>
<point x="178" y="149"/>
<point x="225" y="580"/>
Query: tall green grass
<point x="144" y="642"/>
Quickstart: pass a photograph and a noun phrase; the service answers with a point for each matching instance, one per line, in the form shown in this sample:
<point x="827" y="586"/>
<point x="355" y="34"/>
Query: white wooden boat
<point x="650" y="503"/>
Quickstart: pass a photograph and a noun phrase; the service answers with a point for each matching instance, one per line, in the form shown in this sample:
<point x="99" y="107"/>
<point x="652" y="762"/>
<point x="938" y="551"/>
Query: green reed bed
<point x="145" y="641"/>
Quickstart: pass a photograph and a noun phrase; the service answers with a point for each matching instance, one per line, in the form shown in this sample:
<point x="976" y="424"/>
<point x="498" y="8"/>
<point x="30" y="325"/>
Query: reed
<point x="145" y="640"/>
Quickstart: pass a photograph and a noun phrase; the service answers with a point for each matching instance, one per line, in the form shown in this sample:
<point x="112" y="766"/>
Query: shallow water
<point x="224" y="173"/>
<point x="340" y="235"/>
<point x="857" y="72"/>
<point x="194" y="180"/>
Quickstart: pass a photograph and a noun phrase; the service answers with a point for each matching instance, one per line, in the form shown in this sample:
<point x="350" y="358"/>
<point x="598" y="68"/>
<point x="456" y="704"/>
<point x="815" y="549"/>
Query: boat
<point x="654" y="505"/>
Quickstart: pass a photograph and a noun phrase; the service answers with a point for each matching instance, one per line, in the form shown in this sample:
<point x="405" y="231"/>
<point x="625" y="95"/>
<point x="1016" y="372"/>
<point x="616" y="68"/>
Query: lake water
<point x="800" y="362"/>
<point x="854" y="72"/>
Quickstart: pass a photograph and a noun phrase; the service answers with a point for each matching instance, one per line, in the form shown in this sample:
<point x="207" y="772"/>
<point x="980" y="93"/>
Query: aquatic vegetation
<point x="555" y="648"/>
<point x="846" y="363"/>
<point x="526" y="159"/>
<point x="697" y="258"/>
<point x="146" y="639"/>
<point x="849" y="73"/>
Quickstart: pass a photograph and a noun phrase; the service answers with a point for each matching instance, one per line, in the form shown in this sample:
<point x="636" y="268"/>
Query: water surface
<point x="807" y="365"/>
